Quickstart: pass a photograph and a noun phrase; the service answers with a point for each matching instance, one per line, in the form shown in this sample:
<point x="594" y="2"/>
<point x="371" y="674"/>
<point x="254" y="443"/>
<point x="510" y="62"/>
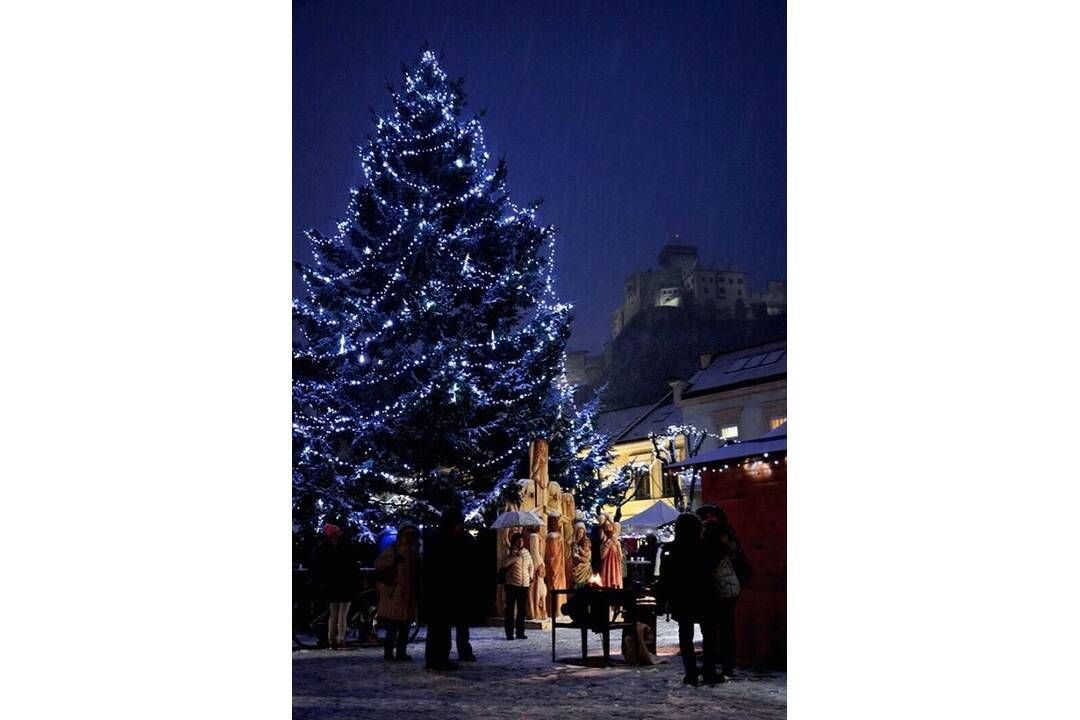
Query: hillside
<point x="661" y="343"/>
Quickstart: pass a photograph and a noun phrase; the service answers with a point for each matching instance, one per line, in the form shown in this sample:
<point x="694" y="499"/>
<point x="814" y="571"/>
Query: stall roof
<point x="652" y="517"/>
<point x="775" y="441"/>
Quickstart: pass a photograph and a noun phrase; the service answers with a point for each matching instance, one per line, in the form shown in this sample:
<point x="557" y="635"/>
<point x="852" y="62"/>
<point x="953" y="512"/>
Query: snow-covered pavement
<point x="516" y="679"/>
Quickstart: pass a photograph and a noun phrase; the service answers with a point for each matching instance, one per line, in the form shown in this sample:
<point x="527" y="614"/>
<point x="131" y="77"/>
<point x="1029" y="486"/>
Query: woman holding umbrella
<point x="514" y="579"/>
<point x="518" y="569"/>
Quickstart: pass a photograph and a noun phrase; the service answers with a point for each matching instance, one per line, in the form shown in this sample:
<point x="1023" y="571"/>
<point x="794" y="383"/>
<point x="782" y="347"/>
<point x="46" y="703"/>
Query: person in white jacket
<point x="519" y="568"/>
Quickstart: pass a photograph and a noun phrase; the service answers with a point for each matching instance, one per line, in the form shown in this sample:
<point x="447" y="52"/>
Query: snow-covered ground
<point x="516" y="679"/>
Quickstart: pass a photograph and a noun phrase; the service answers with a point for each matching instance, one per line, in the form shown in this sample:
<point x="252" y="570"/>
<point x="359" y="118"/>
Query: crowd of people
<point x="402" y="576"/>
<point x="701" y="573"/>
<point x="408" y="583"/>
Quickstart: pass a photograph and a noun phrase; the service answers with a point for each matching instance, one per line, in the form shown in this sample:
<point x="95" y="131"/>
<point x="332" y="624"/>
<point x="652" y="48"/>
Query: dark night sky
<point x="634" y="121"/>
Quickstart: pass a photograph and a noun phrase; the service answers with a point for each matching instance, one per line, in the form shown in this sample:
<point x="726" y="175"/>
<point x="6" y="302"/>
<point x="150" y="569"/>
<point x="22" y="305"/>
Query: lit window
<point x="775" y="422"/>
<point x="729" y="432"/>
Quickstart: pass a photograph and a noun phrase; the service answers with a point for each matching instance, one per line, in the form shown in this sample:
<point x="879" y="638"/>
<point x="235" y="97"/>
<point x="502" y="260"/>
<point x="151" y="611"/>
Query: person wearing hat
<point x="333" y="568"/>
<point x="398" y="575"/>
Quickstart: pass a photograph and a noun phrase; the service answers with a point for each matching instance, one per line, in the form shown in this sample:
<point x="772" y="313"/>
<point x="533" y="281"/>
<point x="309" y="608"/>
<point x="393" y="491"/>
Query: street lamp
<point x="687" y="483"/>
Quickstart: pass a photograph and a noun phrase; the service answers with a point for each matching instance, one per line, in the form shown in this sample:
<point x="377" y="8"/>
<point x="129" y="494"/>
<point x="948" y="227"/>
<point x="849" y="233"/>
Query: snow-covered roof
<point x="774" y="441"/>
<point x="656" y="421"/>
<point x="635" y="423"/>
<point x="779" y="431"/>
<point x="614" y="422"/>
<point x="748" y="366"/>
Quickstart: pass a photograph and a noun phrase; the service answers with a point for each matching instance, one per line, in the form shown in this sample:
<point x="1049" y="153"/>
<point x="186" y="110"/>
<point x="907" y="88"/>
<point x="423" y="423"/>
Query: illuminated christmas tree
<point x="432" y="343"/>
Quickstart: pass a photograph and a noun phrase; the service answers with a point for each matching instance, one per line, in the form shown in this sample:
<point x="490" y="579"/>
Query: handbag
<point x="502" y="575"/>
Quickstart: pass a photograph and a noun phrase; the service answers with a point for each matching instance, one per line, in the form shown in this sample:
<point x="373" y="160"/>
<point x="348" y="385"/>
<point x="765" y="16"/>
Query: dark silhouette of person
<point x="334" y="573"/>
<point x="684" y="581"/>
<point x="725" y="559"/>
<point x="448" y="559"/>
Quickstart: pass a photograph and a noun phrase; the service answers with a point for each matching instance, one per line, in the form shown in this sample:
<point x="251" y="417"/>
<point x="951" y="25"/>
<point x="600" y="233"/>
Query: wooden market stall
<point x="749" y="481"/>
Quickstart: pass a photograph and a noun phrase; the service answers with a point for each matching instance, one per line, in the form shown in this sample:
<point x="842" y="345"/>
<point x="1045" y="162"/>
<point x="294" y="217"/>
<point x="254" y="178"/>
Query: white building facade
<point x="738" y="395"/>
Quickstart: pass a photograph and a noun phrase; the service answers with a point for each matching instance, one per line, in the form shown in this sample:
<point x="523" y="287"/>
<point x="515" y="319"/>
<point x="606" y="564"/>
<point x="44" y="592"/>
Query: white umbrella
<point x="516" y="518"/>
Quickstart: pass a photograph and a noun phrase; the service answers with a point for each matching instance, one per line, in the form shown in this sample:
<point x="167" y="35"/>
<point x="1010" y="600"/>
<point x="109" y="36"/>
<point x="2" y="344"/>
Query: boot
<point x="712" y="679"/>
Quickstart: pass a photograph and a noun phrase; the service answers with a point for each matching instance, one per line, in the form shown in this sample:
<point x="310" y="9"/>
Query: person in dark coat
<point x="684" y="583"/>
<point x="448" y="560"/>
<point x="334" y="575"/>
<point x="725" y="559"/>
